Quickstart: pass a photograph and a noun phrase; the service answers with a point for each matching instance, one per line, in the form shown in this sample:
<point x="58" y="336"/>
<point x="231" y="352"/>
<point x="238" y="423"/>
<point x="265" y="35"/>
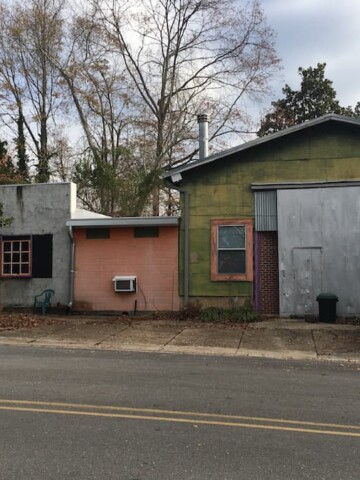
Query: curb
<point x="207" y="351"/>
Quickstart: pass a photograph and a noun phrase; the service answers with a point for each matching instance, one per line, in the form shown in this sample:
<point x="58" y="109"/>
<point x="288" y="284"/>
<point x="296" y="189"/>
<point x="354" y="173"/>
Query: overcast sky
<point x="312" y="31"/>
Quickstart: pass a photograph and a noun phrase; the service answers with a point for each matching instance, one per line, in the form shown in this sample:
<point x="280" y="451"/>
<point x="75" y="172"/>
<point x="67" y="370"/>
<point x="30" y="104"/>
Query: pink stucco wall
<point x="153" y="260"/>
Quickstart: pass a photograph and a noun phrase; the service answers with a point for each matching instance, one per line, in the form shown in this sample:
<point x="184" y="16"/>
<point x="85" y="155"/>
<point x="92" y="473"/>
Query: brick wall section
<point x="269" y="272"/>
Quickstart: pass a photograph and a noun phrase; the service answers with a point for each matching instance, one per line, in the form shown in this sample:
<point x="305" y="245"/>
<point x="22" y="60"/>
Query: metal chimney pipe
<point x="203" y="135"/>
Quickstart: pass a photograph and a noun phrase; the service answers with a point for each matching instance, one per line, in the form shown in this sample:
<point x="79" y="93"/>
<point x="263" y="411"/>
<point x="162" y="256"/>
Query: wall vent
<point x="124" y="284"/>
<point x="266" y="211"/>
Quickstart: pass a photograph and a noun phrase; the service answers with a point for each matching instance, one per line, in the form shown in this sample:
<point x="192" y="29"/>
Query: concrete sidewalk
<point x="282" y="339"/>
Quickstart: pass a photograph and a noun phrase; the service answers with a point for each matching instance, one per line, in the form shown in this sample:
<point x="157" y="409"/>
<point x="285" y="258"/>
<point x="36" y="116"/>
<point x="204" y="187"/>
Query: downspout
<point x="203" y="122"/>
<point x="72" y="269"/>
<point x="186" y="238"/>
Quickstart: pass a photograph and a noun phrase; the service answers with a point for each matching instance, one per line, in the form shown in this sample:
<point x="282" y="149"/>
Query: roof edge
<point x="258" y="141"/>
<point x="297" y="185"/>
<point x="124" y="222"/>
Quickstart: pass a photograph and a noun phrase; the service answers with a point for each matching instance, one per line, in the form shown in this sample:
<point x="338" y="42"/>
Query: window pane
<point x="25" y="257"/>
<point x="232" y="236"/>
<point x="16" y="257"/>
<point x="15" y="269"/>
<point x="6" y="269"/>
<point x="7" y="257"/>
<point x="7" y="246"/>
<point x="24" y="269"/>
<point x="25" y="246"/>
<point x="231" y="261"/>
<point x="16" y="246"/>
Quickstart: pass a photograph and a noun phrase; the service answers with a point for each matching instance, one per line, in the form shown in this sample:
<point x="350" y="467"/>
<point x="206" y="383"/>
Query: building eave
<point x="259" y="141"/>
<point x="123" y="222"/>
<point x="296" y="185"/>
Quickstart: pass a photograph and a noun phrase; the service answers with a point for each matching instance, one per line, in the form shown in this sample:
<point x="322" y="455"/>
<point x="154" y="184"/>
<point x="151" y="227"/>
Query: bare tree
<point x="12" y="91"/>
<point x="184" y="56"/>
<point x="110" y="172"/>
<point x="30" y="84"/>
<point x="137" y="75"/>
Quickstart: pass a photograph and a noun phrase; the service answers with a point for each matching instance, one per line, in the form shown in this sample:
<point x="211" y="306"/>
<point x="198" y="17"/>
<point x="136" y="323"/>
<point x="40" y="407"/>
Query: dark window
<point x="27" y="256"/>
<point x="42" y="256"/>
<point x="97" y="233"/>
<point x="231" y="249"/>
<point x="143" y="232"/>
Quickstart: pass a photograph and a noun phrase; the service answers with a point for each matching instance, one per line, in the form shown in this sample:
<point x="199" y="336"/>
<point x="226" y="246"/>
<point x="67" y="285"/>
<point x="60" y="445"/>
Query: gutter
<point x="123" y="222"/>
<point x="305" y="184"/>
<point x="186" y="238"/>
<point x="72" y="269"/>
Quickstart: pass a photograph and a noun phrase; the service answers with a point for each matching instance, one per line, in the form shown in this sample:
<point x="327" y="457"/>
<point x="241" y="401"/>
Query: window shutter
<point x="42" y="256"/>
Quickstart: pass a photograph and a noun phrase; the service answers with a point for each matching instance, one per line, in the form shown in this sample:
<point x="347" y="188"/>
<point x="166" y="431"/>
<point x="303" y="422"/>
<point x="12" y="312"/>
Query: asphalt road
<point x="134" y="416"/>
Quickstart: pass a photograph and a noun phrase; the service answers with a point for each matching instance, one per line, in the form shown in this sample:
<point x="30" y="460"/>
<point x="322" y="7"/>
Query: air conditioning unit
<point x="124" y="284"/>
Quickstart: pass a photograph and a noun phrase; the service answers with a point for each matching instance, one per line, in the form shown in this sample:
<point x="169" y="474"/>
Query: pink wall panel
<point x="153" y="260"/>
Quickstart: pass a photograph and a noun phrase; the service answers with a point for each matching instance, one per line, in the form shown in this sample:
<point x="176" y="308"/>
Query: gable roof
<point x="331" y="117"/>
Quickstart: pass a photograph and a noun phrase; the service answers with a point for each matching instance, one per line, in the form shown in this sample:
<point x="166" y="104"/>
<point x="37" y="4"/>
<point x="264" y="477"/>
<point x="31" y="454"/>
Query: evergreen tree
<point x="316" y="97"/>
<point x="8" y="172"/>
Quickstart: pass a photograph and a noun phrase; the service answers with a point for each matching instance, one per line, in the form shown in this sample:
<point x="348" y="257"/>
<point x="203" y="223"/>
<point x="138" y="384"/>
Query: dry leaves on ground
<point x="15" y="321"/>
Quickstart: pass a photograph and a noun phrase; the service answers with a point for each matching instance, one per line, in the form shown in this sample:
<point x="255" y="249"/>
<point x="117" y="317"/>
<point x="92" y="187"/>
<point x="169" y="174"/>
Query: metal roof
<point x="79" y="213"/>
<point x="259" y="141"/>
<point x="124" y="222"/>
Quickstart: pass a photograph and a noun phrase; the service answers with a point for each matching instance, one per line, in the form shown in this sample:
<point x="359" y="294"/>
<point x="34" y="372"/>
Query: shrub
<point x="191" y="311"/>
<point x="241" y="314"/>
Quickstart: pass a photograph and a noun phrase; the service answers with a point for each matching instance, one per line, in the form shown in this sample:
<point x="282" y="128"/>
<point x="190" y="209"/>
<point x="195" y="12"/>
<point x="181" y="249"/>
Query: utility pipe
<point x="186" y="238"/>
<point x="72" y="268"/>
<point x="203" y="122"/>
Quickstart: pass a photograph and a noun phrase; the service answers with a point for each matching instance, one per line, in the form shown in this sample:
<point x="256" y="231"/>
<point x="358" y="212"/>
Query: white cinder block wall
<point x="39" y="209"/>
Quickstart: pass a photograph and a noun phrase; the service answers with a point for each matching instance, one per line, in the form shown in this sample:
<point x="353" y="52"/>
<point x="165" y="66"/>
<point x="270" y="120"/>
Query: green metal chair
<point x="43" y="300"/>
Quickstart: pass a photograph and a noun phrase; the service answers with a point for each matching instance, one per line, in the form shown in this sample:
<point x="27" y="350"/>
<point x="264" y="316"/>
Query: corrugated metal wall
<point x="266" y="211"/>
<point x="319" y="248"/>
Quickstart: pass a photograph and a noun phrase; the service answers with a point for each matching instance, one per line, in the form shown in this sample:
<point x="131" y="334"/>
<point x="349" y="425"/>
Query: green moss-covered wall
<point x="222" y="189"/>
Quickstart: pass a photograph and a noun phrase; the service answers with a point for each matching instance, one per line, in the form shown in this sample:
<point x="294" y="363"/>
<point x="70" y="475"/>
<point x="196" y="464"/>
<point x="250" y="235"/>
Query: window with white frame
<point x="16" y="257"/>
<point x="231" y="250"/>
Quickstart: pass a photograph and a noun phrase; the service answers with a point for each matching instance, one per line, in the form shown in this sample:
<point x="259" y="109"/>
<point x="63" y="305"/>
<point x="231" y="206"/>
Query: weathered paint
<point x="154" y="261"/>
<point x="223" y="189"/>
<point x="319" y="248"/>
<point x="39" y="209"/>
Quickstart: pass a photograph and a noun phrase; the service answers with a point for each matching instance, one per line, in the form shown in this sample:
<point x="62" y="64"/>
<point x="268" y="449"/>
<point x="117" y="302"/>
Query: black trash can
<point x="327" y="307"/>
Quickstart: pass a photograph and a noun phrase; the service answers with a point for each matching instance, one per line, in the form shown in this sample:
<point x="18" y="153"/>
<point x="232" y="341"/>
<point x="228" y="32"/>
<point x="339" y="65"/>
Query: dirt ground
<point x="14" y="321"/>
<point x="20" y="320"/>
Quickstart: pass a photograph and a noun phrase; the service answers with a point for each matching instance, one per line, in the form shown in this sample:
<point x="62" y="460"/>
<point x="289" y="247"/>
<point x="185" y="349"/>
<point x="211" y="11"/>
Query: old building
<point x="36" y="247"/>
<point x="275" y="220"/>
<point x="91" y="261"/>
<point x="125" y="264"/>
